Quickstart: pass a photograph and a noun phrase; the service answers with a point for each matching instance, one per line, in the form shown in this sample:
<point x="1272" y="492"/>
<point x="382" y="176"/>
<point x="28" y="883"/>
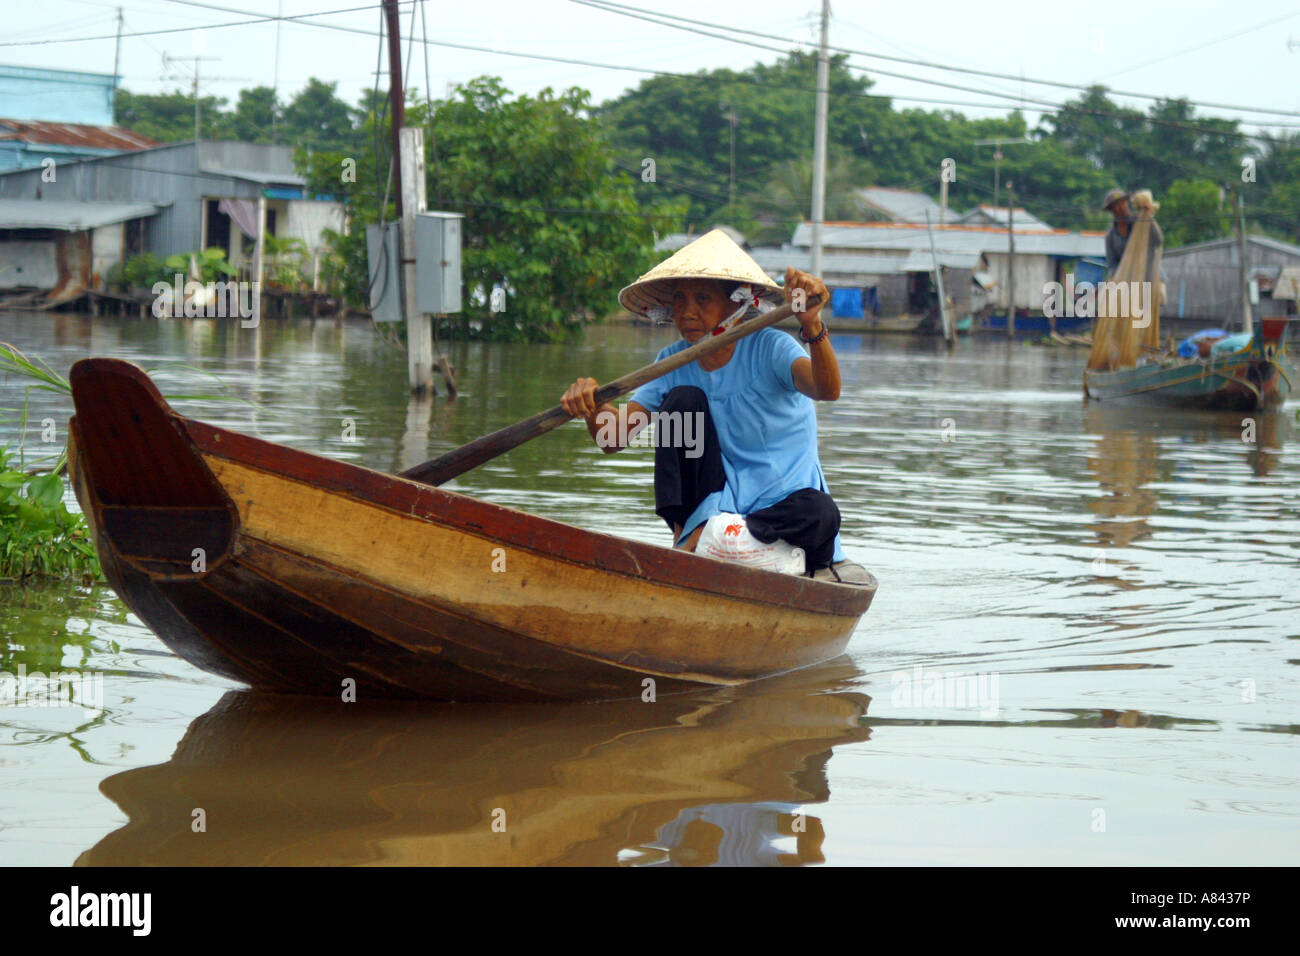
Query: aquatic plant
<point x="39" y="536"/>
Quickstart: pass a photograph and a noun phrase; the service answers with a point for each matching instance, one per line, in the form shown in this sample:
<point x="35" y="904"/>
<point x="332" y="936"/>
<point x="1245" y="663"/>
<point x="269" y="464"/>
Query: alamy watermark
<point x="212" y="300"/>
<point x="1090" y="300"/>
<point x="665" y="430"/>
<point x="920" y="687"/>
<point x="58" y="689"/>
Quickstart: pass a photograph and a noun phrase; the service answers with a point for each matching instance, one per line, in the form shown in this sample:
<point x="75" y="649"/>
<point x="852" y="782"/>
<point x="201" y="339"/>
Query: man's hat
<point x="1112" y="197"/>
<point x="714" y="255"/>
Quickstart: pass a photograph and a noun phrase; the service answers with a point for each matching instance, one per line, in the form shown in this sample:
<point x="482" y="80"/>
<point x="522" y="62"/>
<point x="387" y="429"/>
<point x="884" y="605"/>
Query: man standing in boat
<point x="1116" y="203"/>
<point x="755" y="398"/>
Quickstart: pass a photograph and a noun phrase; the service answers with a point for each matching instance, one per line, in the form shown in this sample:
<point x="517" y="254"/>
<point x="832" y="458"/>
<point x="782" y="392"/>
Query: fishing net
<point x="1128" y="303"/>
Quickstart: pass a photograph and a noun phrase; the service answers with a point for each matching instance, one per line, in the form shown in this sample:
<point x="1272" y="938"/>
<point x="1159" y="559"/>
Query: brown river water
<point x="1084" y="647"/>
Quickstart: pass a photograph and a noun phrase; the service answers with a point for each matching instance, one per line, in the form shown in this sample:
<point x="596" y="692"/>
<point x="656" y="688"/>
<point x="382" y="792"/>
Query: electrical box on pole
<point x="383" y="262"/>
<point x="437" y="262"/>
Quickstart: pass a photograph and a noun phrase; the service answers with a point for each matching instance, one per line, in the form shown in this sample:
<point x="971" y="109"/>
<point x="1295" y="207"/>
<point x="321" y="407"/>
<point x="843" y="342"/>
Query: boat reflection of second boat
<point x="723" y="777"/>
<point x="1126" y="461"/>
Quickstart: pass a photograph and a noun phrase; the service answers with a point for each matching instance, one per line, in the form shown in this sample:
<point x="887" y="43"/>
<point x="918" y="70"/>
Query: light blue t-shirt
<point x="766" y="427"/>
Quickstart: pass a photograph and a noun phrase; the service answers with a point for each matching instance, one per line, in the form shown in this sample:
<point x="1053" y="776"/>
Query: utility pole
<point x="275" y="83"/>
<point x="409" y="190"/>
<point x="730" y="114"/>
<point x="1247" y="322"/>
<point x="117" y="58"/>
<point x="1011" y="262"/>
<point x="997" y="145"/>
<point x="819" y="142"/>
<point x="194" y="85"/>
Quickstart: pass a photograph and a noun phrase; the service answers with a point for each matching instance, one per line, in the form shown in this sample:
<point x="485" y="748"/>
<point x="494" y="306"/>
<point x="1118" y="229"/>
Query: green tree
<point x="256" y="114"/>
<point x="169" y="117"/>
<point x="684" y="125"/>
<point x="784" y="202"/>
<point x="318" y="119"/>
<point x="1273" y="200"/>
<point x="549" y="219"/>
<point x="1192" y="211"/>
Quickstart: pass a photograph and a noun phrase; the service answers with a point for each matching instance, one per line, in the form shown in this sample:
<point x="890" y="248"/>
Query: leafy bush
<point x="38" y="534"/>
<point x="211" y="263"/>
<point x="286" y="261"/>
<point x="142" y="270"/>
<point x="145" y="269"/>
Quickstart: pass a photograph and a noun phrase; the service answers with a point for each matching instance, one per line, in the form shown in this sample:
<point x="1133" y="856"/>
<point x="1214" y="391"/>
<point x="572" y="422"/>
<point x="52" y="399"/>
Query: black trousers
<point x="807" y="519"/>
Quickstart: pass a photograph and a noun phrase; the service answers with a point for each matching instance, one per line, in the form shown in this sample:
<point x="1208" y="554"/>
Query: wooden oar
<point x="483" y="449"/>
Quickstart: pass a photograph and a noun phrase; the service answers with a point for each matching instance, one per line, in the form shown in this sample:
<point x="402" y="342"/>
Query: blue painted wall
<point x="56" y="96"/>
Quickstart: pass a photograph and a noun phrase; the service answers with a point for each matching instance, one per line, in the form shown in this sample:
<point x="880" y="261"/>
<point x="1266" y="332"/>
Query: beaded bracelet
<point x="816" y="338"/>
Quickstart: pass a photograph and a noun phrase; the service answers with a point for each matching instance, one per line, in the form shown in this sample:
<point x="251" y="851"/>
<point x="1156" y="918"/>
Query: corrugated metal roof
<point x="885" y="236"/>
<point x="262" y="176"/>
<point x="1277" y="245"/>
<point x="901" y="205"/>
<point x="73" y="134"/>
<point x="69" y="215"/>
<point x="997" y="216"/>
<point x="775" y="261"/>
<point x="920" y="260"/>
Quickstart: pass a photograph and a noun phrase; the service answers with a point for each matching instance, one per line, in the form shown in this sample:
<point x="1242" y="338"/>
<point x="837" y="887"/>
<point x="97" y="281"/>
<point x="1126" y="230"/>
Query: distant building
<point x="1203" y="280"/>
<point x="900" y="205"/>
<point x="58" y="115"/>
<point x="675" y="240"/>
<point x="894" y="258"/>
<point x="56" y="96"/>
<point x="998" y="216"/>
<point x="34" y="145"/>
<point x="63" y="247"/>
<point x="204" y="195"/>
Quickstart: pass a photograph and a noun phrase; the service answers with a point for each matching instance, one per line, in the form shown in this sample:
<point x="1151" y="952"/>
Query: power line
<point x="1201" y="46"/>
<point x="258" y="18"/>
<point x="1055" y="107"/>
<point x="642" y="14"/>
<point x="302" y="19"/>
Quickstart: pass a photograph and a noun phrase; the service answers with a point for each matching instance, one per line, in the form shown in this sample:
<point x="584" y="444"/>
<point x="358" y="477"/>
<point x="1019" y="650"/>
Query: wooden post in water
<point x="1011" y="261"/>
<point x="259" y="254"/>
<point x="1247" y="320"/>
<point x="945" y="318"/>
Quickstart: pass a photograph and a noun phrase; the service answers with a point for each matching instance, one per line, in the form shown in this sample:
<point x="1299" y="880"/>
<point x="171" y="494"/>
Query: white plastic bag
<point x="727" y="537"/>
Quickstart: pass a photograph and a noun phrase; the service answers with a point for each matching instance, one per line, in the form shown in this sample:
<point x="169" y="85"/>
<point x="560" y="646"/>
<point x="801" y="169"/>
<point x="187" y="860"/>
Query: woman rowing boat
<point x="753" y="401"/>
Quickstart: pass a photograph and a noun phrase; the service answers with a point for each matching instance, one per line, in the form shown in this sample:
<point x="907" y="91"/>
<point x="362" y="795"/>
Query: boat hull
<point x="298" y="574"/>
<point x="1252" y="379"/>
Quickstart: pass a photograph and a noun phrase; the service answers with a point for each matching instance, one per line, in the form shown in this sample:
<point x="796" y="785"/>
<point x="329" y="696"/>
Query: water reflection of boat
<point x="720" y="776"/>
<point x="1124" y="463"/>
<point x="292" y="572"/>
<point x="1127" y="463"/>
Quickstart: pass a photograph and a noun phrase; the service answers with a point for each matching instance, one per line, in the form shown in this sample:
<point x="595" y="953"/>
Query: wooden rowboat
<point x="1251" y="379"/>
<point x="295" y="573"/>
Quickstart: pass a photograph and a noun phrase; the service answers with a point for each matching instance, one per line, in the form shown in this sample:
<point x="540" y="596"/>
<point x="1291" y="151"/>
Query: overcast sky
<point x="1239" y="53"/>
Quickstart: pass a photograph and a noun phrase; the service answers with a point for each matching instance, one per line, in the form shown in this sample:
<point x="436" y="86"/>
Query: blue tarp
<point x="846" y="303"/>
<point x="1232" y="343"/>
<point x="1089" y="270"/>
<point x="1187" y="348"/>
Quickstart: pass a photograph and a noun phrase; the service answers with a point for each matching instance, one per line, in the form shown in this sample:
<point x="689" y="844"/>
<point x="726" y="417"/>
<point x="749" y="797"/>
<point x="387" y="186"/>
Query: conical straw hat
<point x="714" y="255"/>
